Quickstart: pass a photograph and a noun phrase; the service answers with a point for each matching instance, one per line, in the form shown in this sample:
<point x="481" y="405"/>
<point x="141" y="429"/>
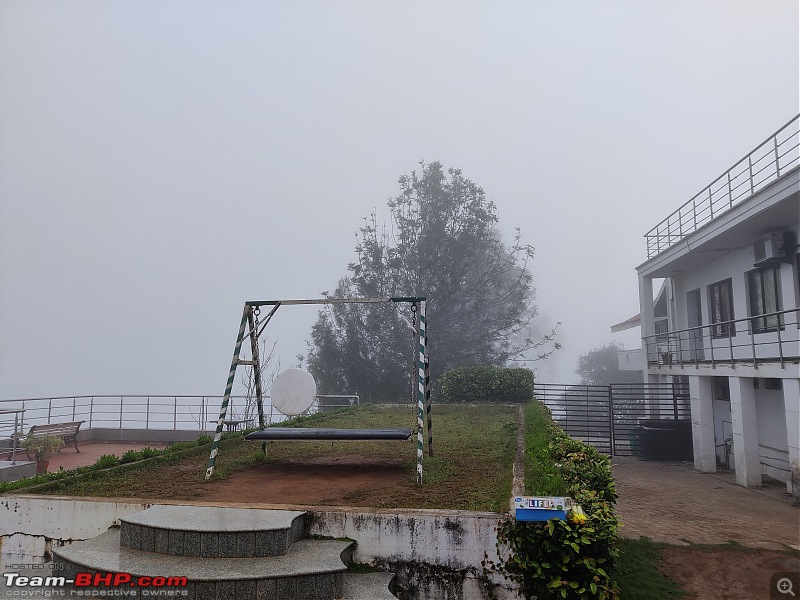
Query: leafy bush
<point x="106" y="461"/>
<point x="178" y="446"/>
<point x="42" y="446"/>
<point x="204" y="439"/>
<point x="130" y="456"/>
<point x="486" y="384"/>
<point x="148" y="452"/>
<point x="575" y="558"/>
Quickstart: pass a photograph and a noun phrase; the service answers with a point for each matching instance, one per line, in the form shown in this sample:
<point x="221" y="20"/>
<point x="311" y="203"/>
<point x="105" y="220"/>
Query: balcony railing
<point x="728" y="343"/>
<point x="11" y="427"/>
<point x="773" y="158"/>
<point x="158" y="412"/>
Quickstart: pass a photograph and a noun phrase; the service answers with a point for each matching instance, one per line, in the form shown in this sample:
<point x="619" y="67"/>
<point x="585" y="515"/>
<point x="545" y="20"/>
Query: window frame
<point x="719" y="327"/>
<point x="757" y="297"/>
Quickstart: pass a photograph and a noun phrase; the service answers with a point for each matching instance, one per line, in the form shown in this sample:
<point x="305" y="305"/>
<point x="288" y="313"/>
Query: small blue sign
<point x="541" y="508"/>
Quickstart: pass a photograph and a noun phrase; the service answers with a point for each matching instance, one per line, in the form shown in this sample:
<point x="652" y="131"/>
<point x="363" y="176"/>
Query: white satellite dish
<point x="293" y="392"/>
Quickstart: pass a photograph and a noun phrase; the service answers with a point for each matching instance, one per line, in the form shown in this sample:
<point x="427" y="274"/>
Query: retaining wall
<point x="436" y="554"/>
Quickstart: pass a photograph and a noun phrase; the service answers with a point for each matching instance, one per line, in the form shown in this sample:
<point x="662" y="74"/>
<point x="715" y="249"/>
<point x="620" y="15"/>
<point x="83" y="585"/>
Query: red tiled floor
<point x="673" y="503"/>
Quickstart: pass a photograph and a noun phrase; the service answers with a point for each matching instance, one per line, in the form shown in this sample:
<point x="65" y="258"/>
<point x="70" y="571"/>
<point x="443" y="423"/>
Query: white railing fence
<point x="773" y="158"/>
<point x="154" y="411"/>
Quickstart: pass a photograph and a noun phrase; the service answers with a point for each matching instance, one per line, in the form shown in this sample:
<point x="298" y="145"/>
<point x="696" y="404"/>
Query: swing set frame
<point x="250" y="324"/>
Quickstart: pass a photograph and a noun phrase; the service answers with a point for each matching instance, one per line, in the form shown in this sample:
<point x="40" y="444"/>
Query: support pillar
<point x="791" y="406"/>
<point x="648" y="320"/>
<point x="745" y="432"/>
<point x="702" y="404"/>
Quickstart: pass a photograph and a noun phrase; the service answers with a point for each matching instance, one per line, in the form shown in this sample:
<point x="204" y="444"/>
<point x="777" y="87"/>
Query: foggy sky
<point x="163" y="162"/>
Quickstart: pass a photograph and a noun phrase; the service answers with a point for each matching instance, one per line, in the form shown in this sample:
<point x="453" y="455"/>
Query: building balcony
<point x="769" y="161"/>
<point x="770" y="341"/>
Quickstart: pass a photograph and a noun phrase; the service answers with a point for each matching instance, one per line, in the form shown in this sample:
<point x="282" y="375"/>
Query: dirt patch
<point x="722" y="574"/>
<point x="319" y="480"/>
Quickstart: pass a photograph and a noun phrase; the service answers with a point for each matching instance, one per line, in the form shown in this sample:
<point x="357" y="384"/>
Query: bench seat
<point x="66" y="431"/>
<point x="319" y="433"/>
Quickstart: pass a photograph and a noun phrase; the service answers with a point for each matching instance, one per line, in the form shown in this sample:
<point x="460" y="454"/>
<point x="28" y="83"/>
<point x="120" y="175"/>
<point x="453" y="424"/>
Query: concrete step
<point x="211" y="532"/>
<point x="311" y="569"/>
<point x="356" y="586"/>
<point x="369" y="586"/>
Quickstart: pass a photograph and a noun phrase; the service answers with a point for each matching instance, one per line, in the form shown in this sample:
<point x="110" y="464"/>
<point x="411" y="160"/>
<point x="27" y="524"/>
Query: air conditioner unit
<point x="770" y="246"/>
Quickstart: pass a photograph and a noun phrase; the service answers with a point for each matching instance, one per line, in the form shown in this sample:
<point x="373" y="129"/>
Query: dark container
<point x="662" y="439"/>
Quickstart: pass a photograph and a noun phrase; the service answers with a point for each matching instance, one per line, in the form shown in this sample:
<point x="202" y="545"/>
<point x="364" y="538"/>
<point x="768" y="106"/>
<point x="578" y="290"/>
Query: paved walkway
<point x="671" y="502"/>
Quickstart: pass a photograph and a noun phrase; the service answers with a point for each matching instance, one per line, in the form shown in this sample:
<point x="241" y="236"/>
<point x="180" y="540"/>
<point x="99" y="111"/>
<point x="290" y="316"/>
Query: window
<point x="721" y="388"/>
<point x="720" y="300"/>
<point x="662" y="331"/>
<point x="764" y="289"/>
<point x="767" y="384"/>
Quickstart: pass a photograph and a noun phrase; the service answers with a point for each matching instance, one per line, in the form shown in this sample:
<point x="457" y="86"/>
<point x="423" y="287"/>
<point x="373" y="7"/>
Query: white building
<point x="728" y="312"/>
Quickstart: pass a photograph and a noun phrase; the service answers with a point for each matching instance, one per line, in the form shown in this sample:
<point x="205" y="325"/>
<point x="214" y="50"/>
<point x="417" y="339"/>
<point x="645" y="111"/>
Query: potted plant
<point x="42" y="447"/>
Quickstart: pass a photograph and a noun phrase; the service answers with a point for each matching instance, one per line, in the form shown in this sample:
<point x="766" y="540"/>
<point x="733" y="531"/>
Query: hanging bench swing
<point x="320" y="433"/>
<point x="294" y="390"/>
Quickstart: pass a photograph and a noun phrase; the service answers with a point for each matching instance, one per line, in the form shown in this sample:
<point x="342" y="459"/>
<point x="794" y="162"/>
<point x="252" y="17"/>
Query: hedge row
<point x="573" y="558"/>
<point x="131" y="458"/>
<point x="485" y="384"/>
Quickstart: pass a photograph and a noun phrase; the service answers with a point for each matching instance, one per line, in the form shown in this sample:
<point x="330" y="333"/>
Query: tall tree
<point x="442" y="243"/>
<point x="601" y="367"/>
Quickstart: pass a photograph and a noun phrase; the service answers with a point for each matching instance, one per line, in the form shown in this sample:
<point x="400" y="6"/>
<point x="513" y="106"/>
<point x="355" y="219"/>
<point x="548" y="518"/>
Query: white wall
<point x="723" y="428"/>
<point x="31" y="525"/>
<point x="448" y="544"/>
<point x="772" y="440"/>
<point x="734" y="265"/>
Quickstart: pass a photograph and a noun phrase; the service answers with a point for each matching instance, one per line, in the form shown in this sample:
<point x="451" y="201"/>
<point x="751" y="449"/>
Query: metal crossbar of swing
<point x="250" y="321"/>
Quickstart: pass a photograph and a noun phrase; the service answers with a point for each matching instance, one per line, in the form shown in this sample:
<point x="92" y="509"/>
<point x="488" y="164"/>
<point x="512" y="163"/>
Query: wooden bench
<point x="66" y="431"/>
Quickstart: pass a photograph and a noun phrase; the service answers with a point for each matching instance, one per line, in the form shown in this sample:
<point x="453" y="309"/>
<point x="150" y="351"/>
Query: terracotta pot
<point x="41" y="467"/>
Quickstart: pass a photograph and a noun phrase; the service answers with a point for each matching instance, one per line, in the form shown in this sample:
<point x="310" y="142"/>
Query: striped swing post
<point x="223" y="410"/>
<point x="428" y="394"/>
<point x="421" y="394"/>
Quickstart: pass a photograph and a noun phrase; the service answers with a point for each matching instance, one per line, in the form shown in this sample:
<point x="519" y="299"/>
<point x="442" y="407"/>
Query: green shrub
<point x="572" y="558"/>
<point x="204" y="439"/>
<point x="486" y="384"/>
<point x="130" y="456"/>
<point x="106" y="461"/>
<point x="148" y="452"/>
<point x="178" y="446"/>
<point x="103" y="462"/>
<point x="564" y="559"/>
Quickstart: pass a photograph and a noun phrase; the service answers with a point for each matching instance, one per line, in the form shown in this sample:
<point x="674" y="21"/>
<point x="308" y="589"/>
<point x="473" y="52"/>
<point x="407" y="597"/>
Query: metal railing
<point x="11" y="428"/>
<point x="154" y="411"/>
<point x="738" y="341"/>
<point x="612" y="418"/>
<point x="776" y="156"/>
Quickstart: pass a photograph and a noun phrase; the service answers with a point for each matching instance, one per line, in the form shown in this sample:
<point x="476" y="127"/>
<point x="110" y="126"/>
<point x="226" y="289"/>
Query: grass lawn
<point x="474" y="449"/>
<point x="637" y="572"/>
<point x="542" y="477"/>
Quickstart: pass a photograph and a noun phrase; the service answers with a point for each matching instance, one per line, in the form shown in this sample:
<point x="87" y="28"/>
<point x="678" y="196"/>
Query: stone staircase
<point x="227" y="554"/>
